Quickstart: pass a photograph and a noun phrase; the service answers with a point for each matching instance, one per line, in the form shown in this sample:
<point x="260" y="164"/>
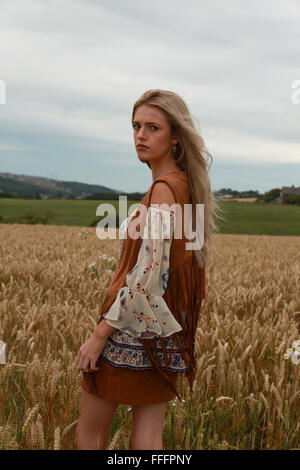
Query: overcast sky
<point x="74" y="68"/>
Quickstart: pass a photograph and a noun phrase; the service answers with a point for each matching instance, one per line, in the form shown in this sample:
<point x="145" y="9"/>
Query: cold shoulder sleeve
<point x="139" y="308"/>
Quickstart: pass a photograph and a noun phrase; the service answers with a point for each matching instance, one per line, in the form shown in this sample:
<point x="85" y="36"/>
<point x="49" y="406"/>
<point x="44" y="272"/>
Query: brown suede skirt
<point x="130" y="387"/>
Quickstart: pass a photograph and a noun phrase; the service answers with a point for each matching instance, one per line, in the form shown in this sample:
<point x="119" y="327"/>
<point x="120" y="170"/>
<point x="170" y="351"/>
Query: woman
<point x="145" y="337"/>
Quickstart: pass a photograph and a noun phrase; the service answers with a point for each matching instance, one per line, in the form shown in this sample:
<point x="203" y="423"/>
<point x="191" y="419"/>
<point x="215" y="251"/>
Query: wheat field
<point x="53" y="281"/>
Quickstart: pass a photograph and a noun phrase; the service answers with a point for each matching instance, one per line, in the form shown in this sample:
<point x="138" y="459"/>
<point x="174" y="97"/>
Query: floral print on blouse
<point x="127" y="351"/>
<point x="139" y="308"/>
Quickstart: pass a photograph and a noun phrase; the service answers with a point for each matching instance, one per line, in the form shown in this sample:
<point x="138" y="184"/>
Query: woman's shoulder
<point x="177" y="182"/>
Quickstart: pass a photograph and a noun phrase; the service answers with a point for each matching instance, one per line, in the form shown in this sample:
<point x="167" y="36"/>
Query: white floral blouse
<point x="139" y="309"/>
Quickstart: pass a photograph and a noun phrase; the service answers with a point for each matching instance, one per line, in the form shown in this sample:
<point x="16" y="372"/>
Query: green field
<point x="242" y="217"/>
<point x="254" y="218"/>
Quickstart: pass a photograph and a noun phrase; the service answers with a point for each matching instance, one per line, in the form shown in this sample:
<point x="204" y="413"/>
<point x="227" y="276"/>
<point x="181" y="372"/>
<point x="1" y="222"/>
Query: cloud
<point x="74" y="68"/>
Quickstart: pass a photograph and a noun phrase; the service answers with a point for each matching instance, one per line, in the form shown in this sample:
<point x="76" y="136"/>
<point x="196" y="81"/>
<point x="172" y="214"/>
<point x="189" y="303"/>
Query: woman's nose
<point x="141" y="132"/>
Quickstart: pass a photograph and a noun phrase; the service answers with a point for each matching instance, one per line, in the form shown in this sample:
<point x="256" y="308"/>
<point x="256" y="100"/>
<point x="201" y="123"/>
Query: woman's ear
<point x="174" y="137"/>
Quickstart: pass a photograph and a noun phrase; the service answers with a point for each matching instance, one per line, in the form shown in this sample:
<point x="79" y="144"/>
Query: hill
<point x="37" y="187"/>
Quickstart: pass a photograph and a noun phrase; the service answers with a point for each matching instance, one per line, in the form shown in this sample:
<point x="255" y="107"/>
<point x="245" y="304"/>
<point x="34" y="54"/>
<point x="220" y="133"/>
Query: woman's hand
<point x="89" y="353"/>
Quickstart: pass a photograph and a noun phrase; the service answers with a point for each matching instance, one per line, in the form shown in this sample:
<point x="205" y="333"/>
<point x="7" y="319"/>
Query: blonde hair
<point x="190" y="156"/>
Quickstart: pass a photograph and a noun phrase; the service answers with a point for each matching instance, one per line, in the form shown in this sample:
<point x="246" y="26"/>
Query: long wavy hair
<point x="190" y="156"/>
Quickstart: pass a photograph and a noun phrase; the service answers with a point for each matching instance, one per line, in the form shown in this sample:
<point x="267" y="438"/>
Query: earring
<point x="174" y="148"/>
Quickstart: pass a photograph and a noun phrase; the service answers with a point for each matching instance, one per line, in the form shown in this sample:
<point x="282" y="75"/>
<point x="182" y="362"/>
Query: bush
<point x="31" y="218"/>
<point x="270" y="195"/>
<point x="293" y="199"/>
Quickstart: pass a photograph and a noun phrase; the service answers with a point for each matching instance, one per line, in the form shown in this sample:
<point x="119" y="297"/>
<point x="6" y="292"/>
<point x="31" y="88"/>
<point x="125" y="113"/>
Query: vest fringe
<point x="181" y="296"/>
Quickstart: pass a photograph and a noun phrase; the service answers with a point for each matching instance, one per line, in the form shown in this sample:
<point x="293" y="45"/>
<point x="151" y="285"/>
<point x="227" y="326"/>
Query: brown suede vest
<point x="185" y="288"/>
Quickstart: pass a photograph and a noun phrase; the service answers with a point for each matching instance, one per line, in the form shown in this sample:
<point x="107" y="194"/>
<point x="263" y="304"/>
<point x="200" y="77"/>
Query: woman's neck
<point x="158" y="173"/>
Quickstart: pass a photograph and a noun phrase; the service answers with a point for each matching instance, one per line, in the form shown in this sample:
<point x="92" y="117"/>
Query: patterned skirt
<point x="126" y="375"/>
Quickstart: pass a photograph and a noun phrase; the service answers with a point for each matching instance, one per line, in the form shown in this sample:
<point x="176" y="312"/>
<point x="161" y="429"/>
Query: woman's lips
<point x="141" y="147"/>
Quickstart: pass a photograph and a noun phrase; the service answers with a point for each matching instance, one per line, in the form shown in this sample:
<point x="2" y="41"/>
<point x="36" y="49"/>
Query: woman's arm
<point x="161" y="194"/>
<point x="103" y="330"/>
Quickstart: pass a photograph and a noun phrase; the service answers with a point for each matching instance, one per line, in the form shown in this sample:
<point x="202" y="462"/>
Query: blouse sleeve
<point x="139" y="308"/>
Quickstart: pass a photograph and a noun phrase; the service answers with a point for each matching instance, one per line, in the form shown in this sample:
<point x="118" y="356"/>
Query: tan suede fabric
<point x="130" y="387"/>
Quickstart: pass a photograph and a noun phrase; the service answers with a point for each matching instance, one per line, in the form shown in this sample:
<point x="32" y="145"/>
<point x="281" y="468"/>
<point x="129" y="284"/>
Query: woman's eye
<point x="136" y="126"/>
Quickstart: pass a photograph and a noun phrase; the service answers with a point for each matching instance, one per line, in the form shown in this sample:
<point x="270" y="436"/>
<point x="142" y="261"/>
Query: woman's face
<point x="151" y="128"/>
